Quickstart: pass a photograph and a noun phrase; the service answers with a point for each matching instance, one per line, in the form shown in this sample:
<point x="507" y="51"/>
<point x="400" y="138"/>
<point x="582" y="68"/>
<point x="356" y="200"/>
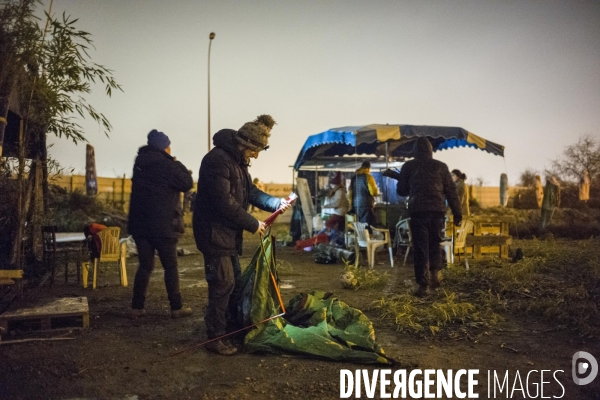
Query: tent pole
<point x="385" y="181"/>
<point x="316" y="185"/>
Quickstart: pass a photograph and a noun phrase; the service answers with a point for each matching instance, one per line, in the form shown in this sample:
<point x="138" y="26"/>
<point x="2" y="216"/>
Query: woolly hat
<point x="337" y="179"/>
<point x="255" y="135"/>
<point x="158" y="139"/>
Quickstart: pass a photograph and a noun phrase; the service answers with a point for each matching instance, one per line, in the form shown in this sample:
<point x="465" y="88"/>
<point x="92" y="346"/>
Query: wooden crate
<point x="70" y="312"/>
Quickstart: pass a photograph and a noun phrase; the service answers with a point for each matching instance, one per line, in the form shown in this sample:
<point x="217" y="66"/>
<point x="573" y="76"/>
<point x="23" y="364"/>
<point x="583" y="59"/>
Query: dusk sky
<point x="524" y="74"/>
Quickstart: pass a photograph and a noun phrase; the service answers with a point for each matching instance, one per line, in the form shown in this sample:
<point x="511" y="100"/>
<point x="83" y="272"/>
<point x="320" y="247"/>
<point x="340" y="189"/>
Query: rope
<point x="228" y="334"/>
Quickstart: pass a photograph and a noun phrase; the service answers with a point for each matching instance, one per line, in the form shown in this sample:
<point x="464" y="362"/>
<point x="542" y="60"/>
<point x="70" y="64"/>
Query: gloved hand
<point x="457" y="221"/>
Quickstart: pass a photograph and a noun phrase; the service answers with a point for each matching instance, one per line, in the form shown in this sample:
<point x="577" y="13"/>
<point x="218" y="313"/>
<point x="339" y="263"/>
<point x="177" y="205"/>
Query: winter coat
<point x="156" y="186"/>
<point x="428" y="184"/>
<point x="363" y="189"/>
<point x="337" y="202"/>
<point x="463" y="196"/>
<point x="225" y="190"/>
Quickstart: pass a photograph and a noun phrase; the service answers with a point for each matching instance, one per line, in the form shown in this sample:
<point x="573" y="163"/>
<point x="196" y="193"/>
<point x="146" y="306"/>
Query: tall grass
<point x="557" y="281"/>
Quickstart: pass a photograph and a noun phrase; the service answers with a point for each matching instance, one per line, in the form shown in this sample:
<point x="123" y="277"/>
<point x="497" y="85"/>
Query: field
<point x="533" y="314"/>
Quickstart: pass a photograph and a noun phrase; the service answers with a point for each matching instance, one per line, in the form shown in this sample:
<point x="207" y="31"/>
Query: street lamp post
<point x="211" y="37"/>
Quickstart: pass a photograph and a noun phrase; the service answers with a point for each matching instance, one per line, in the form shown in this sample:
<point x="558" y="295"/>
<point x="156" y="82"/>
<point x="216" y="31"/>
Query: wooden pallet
<point x="70" y="312"/>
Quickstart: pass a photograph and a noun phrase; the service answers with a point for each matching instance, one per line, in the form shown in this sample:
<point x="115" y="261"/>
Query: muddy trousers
<point x="223" y="276"/>
<point x="167" y="252"/>
<point x="427" y="234"/>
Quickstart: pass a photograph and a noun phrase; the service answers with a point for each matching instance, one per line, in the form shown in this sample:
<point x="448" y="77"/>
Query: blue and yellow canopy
<point x="393" y="140"/>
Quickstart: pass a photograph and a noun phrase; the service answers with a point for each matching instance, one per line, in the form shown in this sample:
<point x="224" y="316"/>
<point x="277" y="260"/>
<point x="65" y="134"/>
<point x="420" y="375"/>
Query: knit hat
<point x="158" y="139"/>
<point x="255" y="135"/>
<point x="337" y="179"/>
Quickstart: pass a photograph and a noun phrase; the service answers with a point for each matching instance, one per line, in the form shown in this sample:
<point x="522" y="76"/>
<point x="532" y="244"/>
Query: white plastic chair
<point x="362" y="240"/>
<point x="349" y="230"/>
<point x="447" y="242"/>
<point x="403" y="237"/>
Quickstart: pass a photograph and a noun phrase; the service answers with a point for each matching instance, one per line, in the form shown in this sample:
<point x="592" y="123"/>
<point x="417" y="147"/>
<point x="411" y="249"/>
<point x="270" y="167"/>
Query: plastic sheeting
<point x="315" y="324"/>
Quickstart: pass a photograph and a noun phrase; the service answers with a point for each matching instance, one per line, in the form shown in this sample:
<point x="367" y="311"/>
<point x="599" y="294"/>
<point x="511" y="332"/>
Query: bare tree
<point x="582" y="156"/>
<point x="527" y="178"/>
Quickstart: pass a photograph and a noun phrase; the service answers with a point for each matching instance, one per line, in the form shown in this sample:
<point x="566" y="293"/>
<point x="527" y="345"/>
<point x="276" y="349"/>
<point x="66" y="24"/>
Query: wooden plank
<point x="490" y="240"/>
<point x="56" y="307"/>
<point x="11" y="273"/>
<point x="493" y="219"/>
<point x="52" y="314"/>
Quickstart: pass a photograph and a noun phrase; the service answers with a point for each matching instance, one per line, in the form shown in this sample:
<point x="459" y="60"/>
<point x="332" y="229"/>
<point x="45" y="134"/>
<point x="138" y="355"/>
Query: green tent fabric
<point x="315" y="324"/>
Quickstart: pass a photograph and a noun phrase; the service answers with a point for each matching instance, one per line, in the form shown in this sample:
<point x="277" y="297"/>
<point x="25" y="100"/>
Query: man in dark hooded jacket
<point x="225" y="190"/>
<point x="428" y="184"/>
<point x="156" y="218"/>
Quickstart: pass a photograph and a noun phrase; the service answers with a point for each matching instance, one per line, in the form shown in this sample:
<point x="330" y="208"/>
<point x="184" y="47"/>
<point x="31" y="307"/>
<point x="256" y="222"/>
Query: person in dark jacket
<point x="225" y="190"/>
<point x="428" y="184"/>
<point x="156" y="218"/>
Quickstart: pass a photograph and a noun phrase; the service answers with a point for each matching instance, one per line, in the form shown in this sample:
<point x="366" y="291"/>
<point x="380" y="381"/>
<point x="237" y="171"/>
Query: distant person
<point x="363" y="190"/>
<point x="428" y="184"/>
<point x="463" y="191"/>
<point x="336" y="204"/>
<point x="156" y="219"/>
<point x="225" y="190"/>
<point x="550" y="202"/>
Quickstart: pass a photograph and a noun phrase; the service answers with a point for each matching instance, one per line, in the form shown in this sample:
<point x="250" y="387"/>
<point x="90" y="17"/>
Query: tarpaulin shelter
<point x="389" y="141"/>
<point x="384" y="146"/>
<point x="315" y="324"/>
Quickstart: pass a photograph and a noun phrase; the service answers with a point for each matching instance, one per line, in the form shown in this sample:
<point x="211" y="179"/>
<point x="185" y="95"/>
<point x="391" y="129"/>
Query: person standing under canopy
<point x="363" y="190"/>
<point x="428" y="184"/>
<point x="225" y="189"/>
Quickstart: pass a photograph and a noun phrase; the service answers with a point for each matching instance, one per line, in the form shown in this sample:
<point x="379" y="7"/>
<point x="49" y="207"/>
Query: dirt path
<point x="118" y="358"/>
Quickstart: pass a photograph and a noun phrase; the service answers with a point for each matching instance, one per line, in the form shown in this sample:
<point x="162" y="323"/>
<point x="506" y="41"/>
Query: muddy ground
<point x="118" y="358"/>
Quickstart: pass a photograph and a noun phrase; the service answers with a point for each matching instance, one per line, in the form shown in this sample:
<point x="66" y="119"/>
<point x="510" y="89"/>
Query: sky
<point x="524" y="74"/>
